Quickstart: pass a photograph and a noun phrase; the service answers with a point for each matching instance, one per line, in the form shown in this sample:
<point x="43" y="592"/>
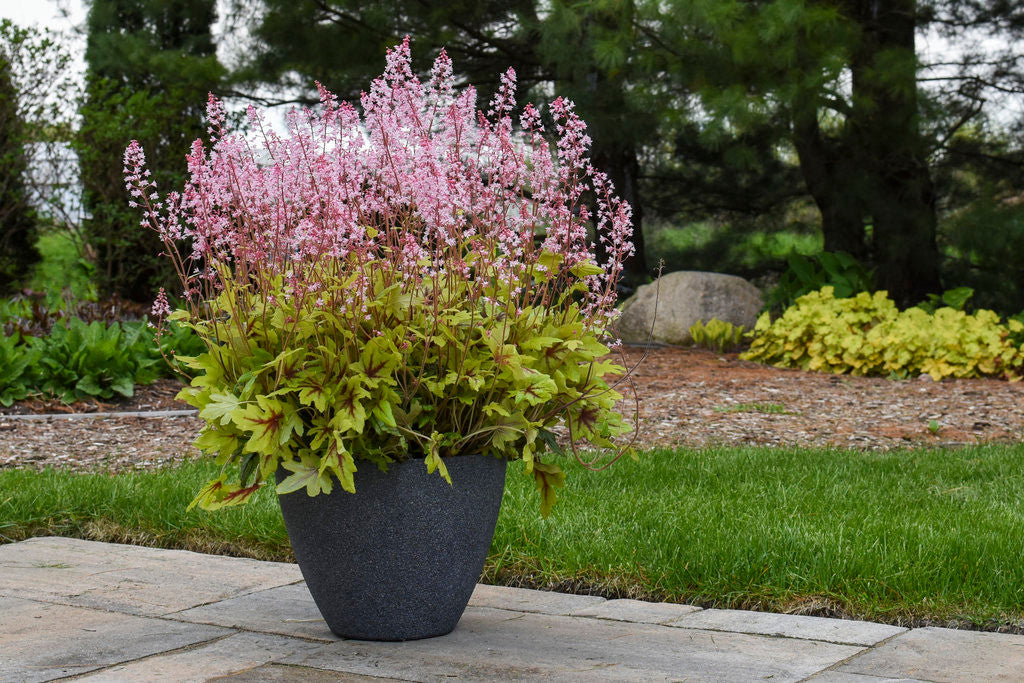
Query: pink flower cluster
<point x="422" y="185"/>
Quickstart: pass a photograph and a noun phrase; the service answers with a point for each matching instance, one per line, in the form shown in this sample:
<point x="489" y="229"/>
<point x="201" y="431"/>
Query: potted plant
<point x="395" y="304"/>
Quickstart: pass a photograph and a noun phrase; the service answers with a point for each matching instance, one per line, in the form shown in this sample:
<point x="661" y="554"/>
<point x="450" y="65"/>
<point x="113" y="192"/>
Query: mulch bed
<point x="688" y="397"/>
<point x="156" y="396"/>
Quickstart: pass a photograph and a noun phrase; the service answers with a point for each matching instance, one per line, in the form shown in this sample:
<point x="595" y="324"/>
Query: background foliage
<point x="739" y="115"/>
<point x="151" y="65"/>
<point x="742" y="131"/>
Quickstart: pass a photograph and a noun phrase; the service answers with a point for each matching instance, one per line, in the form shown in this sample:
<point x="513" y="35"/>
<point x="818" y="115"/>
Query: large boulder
<point x="684" y="297"/>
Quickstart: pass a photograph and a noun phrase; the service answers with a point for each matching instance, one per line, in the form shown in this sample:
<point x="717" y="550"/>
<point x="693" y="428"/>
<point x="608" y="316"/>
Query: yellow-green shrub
<point x="867" y="335"/>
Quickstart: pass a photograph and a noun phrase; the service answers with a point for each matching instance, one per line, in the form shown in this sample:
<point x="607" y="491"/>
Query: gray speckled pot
<point x="399" y="559"/>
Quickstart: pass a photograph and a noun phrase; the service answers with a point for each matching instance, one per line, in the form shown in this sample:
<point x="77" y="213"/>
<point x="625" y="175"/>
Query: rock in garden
<point x="683" y="298"/>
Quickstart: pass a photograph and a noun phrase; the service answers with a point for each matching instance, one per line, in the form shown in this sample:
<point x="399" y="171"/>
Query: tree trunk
<point x="904" y="213"/>
<point x="621" y="164"/>
<point x="834" y="181"/>
<point x="902" y="197"/>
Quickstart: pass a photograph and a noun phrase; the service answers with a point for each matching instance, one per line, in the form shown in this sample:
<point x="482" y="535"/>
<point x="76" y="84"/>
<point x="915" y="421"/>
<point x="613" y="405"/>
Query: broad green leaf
<point x="547" y="478"/>
<point x="550" y="260"/>
<point x="532" y="386"/>
<point x="539" y="343"/>
<point x="220" y="407"/>
<point x="88" y="385"/>
<point x="219" y="494"/>
<point x="124" y="386"/>
<point x="350" y="414"/>
<point x="586" y="269"/>
<point x="504" y="435"/>
<point x="382" y="411"/>
<point x="377" y="361"/>
<point x="306" y="476"/>
<point x="206" y="362"/>
<point x="492" y="409"/>
<point x="270" y="422"/>
<point x="312" y="391"/>
<point x="213" y="439"/>
<point x="340" y="462"/>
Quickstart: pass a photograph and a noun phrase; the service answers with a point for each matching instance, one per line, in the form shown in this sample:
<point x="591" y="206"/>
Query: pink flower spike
<point x="418" y="184"/>
<point x="160" y="307"/>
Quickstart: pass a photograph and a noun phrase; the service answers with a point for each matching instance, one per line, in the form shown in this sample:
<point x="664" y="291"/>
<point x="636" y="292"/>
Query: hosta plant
<point x="415" y="281"/>
<point x="15" y="361"/>
<point x="79" y="360"/>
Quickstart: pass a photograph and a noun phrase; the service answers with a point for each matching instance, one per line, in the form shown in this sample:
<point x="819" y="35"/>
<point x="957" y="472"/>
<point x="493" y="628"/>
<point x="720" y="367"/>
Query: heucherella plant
<point x="413" y="282"/>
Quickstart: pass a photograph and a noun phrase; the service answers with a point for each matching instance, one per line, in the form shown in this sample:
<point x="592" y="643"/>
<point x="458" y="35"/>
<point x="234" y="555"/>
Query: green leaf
<point x="311" y="390"/>
<point x="350" y="415"/>
<point x="212" y="372"/>
<point x="492" y="409"/>
<point x="539" y="343"/>
<point x="340" y="462"/>
<point x="219" y="494"/>
<point x="220" y="407"/>
<point x="551" y="441"/>
<point x="547" y="478"/>
<point x="377" y="361"/>
<point x="550" y="260"/>
<point x="433" y="459"/>
<point x="382" y="411"/>
<point x="214" y="440"/>
<point x="88" y="385"/>
<point x="803" y="268"/>
<point x="306" y="476"/>
<point x="124" y="386"/>
<point x="586" y="269"/>
<point x="270" y="423"/>
<point x="532" y="386"/>
<point x="249" y="463"/>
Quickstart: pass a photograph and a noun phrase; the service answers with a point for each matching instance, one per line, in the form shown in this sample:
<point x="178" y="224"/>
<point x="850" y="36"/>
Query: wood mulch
<point x="89" y="440"/>
<point x="693" y="397"/>
<point x="688" y="397"/>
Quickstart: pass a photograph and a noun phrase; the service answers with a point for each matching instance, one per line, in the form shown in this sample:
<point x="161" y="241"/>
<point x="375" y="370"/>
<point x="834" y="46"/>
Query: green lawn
<point x="900" y="537"/>
<point x="61" y="267"/>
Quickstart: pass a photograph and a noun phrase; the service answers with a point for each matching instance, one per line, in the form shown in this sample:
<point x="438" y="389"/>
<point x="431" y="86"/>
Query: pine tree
<point x="841" y="83"/>
<point x="151" y="64"/>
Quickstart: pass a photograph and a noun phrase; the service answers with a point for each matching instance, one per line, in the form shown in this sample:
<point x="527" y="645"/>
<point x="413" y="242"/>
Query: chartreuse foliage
<point x="868" y="335"/>
<point x="717" y="335"/>
<point x="321" y="393"/>
<point x="416" y="281"/>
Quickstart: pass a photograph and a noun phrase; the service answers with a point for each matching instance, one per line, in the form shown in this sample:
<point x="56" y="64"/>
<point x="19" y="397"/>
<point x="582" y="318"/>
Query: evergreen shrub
<point x="18" y="221"/>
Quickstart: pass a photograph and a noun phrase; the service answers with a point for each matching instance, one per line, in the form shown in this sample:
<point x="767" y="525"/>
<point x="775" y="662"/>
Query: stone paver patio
<point x="110" y="612"/>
